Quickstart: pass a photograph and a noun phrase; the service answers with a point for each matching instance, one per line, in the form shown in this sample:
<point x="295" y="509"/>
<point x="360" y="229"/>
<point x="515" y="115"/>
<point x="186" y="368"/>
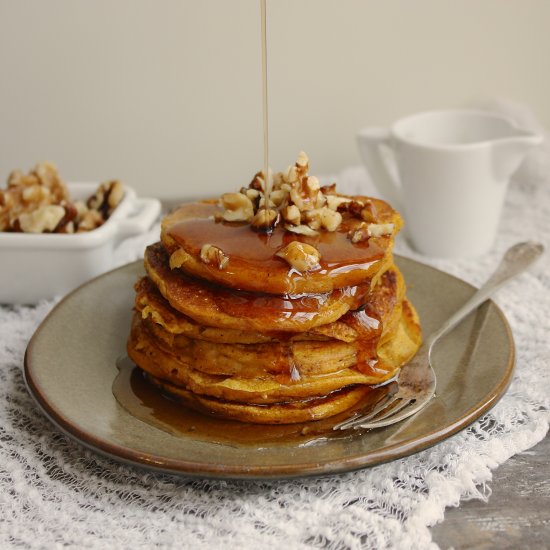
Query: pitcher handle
<point x="370" y="142"/>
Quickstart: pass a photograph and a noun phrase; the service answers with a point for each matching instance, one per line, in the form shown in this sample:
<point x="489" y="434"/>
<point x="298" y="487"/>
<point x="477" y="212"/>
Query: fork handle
<point x="516" y="260"/>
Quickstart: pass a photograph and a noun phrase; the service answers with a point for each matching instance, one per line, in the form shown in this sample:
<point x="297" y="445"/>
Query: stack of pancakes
<point x="252" y="338"/>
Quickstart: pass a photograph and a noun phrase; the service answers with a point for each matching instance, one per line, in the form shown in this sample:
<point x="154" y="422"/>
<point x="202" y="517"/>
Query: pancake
<point x="217" y="306"/>
<point x="294" y="412"/>
<point x="252" y="262"/>
<point x="151" y="304"/>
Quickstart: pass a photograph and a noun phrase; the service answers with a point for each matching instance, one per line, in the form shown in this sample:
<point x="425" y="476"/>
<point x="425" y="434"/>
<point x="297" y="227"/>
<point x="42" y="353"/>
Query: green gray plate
<point x="70" y="367"/>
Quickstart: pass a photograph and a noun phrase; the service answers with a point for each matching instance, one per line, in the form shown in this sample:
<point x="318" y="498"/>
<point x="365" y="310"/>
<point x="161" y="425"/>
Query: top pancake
<point x="252" y="262"/>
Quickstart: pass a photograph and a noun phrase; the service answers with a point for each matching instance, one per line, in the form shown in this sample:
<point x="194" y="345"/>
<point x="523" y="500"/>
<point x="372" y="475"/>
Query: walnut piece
<point x="238" y="207"/>
<point x="302" y="230"/>
<point x="91" y="219"/>
<point x="300" y="256"/>
<point x="211" y="254"/>
<point x="265" y="219"/>
<point x="291" y="214"/>
<point x="333" y="201"/>
<point x="42" y="220"/>
<point x="359" y="233"/>
<point x="380" y="229"/>
<point x="302" y="159"/>
<point x="330" y="219"/>
<point x="106" y="198"/>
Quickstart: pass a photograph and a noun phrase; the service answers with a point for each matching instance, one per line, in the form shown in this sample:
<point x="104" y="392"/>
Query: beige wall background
<point x="166" y="94"/>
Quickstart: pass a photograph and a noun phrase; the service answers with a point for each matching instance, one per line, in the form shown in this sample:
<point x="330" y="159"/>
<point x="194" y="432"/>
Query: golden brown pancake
<point x="253" y="264"/>
<point x="275" y="413"/>
<point x="212" y="305"/>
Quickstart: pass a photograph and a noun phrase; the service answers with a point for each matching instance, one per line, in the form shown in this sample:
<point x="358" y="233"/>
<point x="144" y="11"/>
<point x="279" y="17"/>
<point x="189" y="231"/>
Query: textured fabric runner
<point x="55" y="492"/>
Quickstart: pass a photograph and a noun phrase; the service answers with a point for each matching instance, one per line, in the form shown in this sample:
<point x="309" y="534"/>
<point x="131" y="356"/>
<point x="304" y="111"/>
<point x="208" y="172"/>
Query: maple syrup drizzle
<point x="369" y="329"/>
<point x="247" y="248"/>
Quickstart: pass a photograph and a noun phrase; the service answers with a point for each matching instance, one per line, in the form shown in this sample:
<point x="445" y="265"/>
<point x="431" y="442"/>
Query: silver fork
<point x="416" y="380"/>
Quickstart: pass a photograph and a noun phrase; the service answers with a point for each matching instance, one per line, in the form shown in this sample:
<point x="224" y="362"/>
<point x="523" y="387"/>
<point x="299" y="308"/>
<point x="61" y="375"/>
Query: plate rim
<point x="184" y="467"/>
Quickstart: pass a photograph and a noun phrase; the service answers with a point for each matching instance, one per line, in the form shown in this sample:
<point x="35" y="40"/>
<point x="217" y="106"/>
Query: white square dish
<point x="35" y="267"/>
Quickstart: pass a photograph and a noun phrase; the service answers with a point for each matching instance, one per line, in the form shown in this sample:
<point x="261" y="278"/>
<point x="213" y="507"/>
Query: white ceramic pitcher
<point x="447" y="173"/>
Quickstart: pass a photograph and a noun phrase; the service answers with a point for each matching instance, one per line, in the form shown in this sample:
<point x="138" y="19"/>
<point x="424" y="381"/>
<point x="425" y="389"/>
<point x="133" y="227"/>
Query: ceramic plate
<point x="70" y="366"/>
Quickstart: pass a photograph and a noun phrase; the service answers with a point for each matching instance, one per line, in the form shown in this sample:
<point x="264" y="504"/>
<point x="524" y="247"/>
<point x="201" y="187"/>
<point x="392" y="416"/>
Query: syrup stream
<point x="267" y="172"/>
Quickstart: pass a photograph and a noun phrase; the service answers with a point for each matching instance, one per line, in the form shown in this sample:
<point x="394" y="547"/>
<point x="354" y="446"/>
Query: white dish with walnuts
<point x="56" y="236"/>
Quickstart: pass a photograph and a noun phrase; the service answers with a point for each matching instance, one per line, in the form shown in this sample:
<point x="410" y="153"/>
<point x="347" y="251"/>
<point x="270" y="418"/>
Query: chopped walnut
<point x="91" y="219"/>
<point x="252" y="194"/>
<point x="313" y="218"/>
<point x="106" y="198"/>
<point x="333" y="201"/>
<point x="320" y="200"/>
<point x="262" y="204"/>
<point x="15" y="178"/>
<point x="42" y="220"/>
<point x="238" y="207"/>
<point x="257" y="182"/>
<point x="291" y="214"/>
<point x="298" y="201"/>
<point x="300" y="256"/>
<point x="36" y="193"/>
<point x="330" y="219"/>
<point x="302" y="230"/>
<point x="363" y="230"/>
<point x="277" y="196"/>
<point x="46" y="174"/>
<point x="25" y="205"/>
<point x="296" y="198"/>
<point x="359" y="233"/>
<point x="368" y="213"/>
<point x="312" y="185"/>
<point x="291" y="175"/>
<point x="380" y="229"/>
<point x="265" y="219"/>
<point x="67" y="222"/>
<point x="329" y="189"/>
<point x="302" y="159"/>
<point x="211" y="254"/>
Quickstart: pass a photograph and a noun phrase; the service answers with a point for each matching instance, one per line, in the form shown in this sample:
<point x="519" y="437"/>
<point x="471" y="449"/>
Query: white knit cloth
<point x="55" y="493"/>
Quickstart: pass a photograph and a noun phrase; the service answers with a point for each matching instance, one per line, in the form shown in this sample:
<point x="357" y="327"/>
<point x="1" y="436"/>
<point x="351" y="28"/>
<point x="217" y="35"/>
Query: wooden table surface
<point x="517" y="515"/>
